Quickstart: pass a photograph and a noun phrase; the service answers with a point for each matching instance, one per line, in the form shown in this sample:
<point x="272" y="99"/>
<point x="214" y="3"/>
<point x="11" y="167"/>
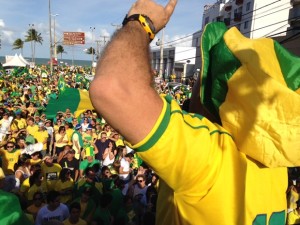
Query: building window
<point x="246" y="24"/>
<point x="206" y="20"/>
<point x="248" y="6"/>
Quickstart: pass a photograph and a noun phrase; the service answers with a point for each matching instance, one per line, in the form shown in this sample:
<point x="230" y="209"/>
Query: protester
<point x="202" y="173"/>
<point x="53" y="210"/>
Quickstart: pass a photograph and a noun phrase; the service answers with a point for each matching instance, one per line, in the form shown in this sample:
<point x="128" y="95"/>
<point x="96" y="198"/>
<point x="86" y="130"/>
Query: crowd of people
<point x="76" y="170"/>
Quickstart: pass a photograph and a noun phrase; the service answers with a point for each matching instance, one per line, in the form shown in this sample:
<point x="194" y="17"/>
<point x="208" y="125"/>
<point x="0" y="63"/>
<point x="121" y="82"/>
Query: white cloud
<point x="2" y="24"/>
<point x="8" y="36"/>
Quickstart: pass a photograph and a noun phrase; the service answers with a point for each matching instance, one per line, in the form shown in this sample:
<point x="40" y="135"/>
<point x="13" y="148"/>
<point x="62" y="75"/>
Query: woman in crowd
<point x="109" y="154"/>
<point x="61" y="140"/>
<point x="22" y="171"/>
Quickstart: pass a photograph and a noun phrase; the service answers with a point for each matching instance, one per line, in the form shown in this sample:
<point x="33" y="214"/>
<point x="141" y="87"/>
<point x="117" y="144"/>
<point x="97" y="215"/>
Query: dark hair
<point x="21" y="162"/>
<point x="52" y="195"/>
<point x="74" y="205"/>
<point x="86" y="172"/>
<point x="63" y="173"/>
<point x="61" y="128"/>
<point x="130" y="155"/>
<point x="34" y="177"/>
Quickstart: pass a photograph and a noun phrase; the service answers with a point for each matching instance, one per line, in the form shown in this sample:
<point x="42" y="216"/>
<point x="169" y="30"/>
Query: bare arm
<point x="125" y="70"/>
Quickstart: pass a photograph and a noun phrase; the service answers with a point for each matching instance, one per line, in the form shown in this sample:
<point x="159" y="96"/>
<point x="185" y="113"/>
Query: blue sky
<point x="74" y="15"/>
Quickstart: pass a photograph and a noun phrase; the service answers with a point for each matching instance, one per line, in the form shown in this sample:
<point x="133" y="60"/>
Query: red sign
<point x="74" y="38"/>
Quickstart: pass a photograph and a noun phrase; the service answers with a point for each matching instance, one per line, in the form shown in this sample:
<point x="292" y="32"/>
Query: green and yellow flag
<point x="61" y="84"/>
<point x="10" y="210"/>
<point x="76" y="100"/>
<point x="253" y="87"/>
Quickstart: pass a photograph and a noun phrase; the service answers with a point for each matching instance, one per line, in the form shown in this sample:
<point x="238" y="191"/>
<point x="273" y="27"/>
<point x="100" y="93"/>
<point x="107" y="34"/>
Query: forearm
<point x="127" y="53"/>
<point x="125" y="70"/>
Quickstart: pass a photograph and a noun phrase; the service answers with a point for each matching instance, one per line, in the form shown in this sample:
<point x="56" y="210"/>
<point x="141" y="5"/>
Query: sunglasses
<point x="140" y="181"/>
<point x="10" y="146"/>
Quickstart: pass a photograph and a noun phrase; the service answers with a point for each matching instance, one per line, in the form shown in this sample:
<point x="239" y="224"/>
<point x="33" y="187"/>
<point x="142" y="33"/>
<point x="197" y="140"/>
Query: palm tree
<point x="60" y="50"/>
<point x="18" y="44"/>
<point x="33" y="36"/>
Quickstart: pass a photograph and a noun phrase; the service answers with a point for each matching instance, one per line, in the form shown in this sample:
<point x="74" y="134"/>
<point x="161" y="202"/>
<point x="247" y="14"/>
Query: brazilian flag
<point x="76" y="100"/>
<point x="252" y="86"/>
<point x="61" y="84"/>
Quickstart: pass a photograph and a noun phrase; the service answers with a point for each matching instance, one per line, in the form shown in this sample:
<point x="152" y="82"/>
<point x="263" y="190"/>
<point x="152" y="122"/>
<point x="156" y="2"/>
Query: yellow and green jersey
<point x="204" y="178"/>
<point x="9" y="159"/>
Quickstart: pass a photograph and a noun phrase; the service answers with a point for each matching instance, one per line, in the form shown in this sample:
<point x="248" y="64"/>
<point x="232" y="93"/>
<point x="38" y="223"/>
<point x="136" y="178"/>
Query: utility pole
<point x="54" y="34"/>
<point x="93" y="51"/>
<point x="51" y="46"/>
<point x="161" y="44"/>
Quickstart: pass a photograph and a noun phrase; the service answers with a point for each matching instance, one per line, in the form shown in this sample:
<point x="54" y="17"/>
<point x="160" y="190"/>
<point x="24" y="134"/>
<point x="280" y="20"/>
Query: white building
<point x="176" y="60"/>
<point x="254" y="18"/>
<point x="277" y="19"/>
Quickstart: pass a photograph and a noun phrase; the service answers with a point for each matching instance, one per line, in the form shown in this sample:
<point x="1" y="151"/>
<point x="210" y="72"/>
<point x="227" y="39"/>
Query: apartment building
<point x="277" y="19"/>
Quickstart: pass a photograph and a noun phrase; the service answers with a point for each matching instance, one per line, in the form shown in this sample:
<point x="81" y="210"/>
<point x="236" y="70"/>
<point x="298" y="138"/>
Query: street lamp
<point x="31" y="27"/>
<point x="160" y="43"/>
<point x="54" y="44"/>
<point x="92" y="29"/>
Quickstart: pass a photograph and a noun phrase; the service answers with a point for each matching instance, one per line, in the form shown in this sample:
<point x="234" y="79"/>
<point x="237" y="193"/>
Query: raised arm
<point x="132" y="106"/>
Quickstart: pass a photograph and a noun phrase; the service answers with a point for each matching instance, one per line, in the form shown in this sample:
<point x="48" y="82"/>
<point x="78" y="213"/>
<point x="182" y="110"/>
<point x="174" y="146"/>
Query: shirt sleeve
<point x="185" y="150"/>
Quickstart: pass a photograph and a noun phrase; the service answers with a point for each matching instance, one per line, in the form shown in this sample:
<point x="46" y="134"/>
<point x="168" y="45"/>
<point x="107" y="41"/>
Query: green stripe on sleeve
<point x="160" y="130"/>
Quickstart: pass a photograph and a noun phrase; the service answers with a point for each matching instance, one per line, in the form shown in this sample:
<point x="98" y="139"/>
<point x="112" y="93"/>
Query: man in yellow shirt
<point x="31" y="128"/>
<point x="9" y="156"/>
<point x="42" y="137"/>
<point x="50" y="172"/>
<point x="204" y="178"/>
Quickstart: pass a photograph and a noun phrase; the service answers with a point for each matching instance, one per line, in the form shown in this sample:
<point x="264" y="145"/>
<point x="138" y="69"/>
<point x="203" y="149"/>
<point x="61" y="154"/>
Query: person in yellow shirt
<point x="50" y="171"/>
<point x="18" y="123"/>
<point x="65" y="185"/>
<point x="69" y="132"/>
<point x="31" y="128"/>
<point x="42" y="137"/>
<point x="74" y="218"/>
<point x="293" y="217"/>
<point x="10" y="157"/>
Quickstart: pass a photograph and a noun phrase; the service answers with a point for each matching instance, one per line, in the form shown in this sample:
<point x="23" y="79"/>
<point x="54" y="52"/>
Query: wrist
<point x="143" y="21"/>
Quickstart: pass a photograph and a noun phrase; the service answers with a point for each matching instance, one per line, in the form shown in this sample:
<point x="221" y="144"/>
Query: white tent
<point x="23" y="60"/>
<point x="15" y="61"/>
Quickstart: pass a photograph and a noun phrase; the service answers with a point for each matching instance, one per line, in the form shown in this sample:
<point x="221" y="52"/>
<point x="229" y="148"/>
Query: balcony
<point x="239" y="2"/>
<point x="227" y="21"/>
<point x="237" y="17"/>
<point x="295" y="2"/>
<point x="228" y="8"/>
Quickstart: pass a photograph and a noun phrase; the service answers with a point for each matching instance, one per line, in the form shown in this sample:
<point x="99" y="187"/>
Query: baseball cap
<point x="78" y="126"/>
<point x="89" y="127"/>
